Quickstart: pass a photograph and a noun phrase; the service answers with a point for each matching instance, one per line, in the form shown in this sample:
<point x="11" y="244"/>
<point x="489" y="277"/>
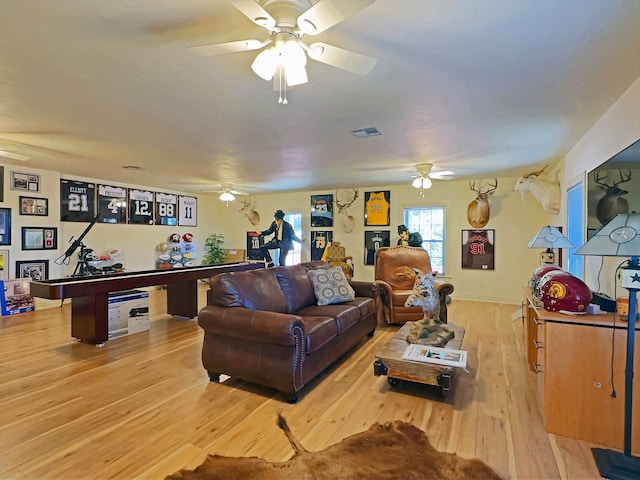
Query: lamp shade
<point x="227" y="197"/>
<point x="618" y="238"/>
<point x="549" y="237"/>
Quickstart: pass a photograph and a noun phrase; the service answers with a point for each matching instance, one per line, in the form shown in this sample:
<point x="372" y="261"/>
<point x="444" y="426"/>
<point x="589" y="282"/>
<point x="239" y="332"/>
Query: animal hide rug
<point x="386" y="452"/>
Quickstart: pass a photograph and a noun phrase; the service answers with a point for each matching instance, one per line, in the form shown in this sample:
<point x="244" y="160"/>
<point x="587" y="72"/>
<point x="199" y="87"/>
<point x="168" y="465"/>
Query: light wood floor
<point x="142" y="407"/>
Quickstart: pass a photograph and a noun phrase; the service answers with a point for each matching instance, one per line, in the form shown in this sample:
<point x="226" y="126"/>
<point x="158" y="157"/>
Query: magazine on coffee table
<point x="439" y="356"/>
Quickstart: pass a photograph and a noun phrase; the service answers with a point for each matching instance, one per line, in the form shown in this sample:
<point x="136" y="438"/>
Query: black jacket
<point x="288" y="234"/>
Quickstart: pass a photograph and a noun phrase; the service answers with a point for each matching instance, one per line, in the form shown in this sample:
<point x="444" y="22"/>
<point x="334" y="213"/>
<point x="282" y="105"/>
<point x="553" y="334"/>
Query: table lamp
<point x="549" y="237"/>
<point x="621" y="238"/>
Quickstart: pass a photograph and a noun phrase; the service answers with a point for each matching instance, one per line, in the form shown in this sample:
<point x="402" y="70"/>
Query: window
<point x="575" y="229"/>
<point x="295" y="255"/>
<point x="429" y="222"/>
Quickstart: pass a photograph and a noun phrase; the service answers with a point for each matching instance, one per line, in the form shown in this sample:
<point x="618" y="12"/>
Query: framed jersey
<point x="320" y="240"/>
<point x="140" y="207"/>
<point x="322" y="210"/>
<point x="187" y="211"/>
<point x="254" y="242"/>
<point x="372" y="242"/>
<point x="166" y="209"/>
<point x="377" y="208"/>
<point x="478" y="249"/>
<point x="112" y="204"/>
<point x="77" y="201"/>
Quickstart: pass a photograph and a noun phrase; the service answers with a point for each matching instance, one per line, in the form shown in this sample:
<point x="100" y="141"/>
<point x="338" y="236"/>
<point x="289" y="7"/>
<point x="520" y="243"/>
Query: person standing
<point x="283" y="238"/>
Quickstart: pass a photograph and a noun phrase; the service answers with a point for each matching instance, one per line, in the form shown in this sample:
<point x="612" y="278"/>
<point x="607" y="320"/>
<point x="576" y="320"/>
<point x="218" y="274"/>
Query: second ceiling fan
<point x="284" y="54"/>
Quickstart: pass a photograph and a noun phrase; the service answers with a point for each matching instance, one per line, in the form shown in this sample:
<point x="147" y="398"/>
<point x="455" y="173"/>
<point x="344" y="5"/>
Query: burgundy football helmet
<point x="538" y="273"/>
<point x="537" y="290"/>
<point x="565" y="292"/>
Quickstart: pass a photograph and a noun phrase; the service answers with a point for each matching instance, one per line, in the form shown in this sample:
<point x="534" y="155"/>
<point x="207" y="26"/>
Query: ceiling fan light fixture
<point x="296" y="76"/>
<point x="292" y="55"/>
<point x="227" y="197"/>
<point x="265" y="63"/>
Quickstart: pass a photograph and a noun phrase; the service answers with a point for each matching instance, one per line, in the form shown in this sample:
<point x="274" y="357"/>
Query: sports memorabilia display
<point x="254" y="243"/>
<point x="77" y="201"/>
<point x="320" y="240"/>
<point x="166" y="209"/>
<point x="112" y="204"/>
<point x="373" y="241"/>
<point x="140" y="207"/>
<point x="322" y="210"/>
<point x="376" y="208"/>
<point x="477" y="249"/>
<point x="187" y="211"/>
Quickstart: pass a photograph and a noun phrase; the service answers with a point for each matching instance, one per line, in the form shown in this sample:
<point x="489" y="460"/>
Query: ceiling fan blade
<point x="341" y="58"/>
<point x="228" y="47"/>
<point x="326" y="13"/>
<point x="442" y="175"/>
<point x="254" y="12"/>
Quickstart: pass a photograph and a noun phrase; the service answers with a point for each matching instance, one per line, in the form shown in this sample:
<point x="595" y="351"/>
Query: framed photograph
<point x="322" y="210"/>
<point x="377" y="208"/>
<point x="39" y="238"/>
<point x="33" y="269"/>
<point x="34" y="206"/>
<point x="15" y="296"/>
<point x="478" y="249"/>
<point x="5" y="226"/>
<point x="29" y="182"/>
<point x="4" y="265"/>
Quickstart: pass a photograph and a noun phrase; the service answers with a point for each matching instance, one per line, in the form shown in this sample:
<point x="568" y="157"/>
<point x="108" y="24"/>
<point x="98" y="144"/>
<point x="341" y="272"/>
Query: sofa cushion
<point x="319" y="330"/>
<point x="296" y="285"/>
<point x="331" y="286"/>
<point x="255" y="289"/>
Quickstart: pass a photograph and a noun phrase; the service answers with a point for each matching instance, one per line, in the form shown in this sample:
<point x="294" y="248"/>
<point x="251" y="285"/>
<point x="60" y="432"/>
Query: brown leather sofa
<point x="264" y="326"/>
<point x="394" y="275"/>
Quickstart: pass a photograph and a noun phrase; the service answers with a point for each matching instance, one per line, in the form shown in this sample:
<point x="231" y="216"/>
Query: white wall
<point x="515" y="222"/>
<point x="615" y="131"/>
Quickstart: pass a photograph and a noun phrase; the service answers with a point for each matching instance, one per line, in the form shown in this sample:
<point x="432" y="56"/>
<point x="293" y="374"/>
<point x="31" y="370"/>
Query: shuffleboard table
<point x="90" y="294"/>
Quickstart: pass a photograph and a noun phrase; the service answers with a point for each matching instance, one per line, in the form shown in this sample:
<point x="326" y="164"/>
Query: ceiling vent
<point x="366" y="132"/>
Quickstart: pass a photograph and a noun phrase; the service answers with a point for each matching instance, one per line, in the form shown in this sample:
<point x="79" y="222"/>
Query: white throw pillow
<point x="331" y="286"/>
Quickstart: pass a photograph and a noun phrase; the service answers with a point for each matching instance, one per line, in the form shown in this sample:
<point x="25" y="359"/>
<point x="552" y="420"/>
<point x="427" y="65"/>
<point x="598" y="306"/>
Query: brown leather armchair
<point x="393" y="269"/>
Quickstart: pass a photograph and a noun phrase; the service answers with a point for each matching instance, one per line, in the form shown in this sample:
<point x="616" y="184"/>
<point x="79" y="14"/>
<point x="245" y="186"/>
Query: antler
<point x="346" y="205"/>
<point x="536" y="173"/>
<point x="602" y="180"/>
<point x="484" y="193"/>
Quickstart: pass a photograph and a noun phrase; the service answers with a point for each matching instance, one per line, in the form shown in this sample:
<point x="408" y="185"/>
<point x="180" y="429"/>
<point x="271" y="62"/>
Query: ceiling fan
<point x="284" y="54"/>
<point x="422" y="179"/>
<point x="228" y="193"/>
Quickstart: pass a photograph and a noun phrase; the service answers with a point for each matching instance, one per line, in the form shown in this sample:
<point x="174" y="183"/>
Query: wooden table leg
<point x="182" y="299"/>
<point x="90" y="318"/>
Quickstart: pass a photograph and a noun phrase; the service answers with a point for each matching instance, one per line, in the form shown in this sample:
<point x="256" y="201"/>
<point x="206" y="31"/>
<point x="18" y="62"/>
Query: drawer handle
<point x="537" y="368"/>
<point x="538" y="344"/>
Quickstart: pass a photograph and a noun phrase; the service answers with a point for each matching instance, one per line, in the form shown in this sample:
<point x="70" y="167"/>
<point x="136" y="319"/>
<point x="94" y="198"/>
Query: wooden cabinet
<point x="578" y="361"/>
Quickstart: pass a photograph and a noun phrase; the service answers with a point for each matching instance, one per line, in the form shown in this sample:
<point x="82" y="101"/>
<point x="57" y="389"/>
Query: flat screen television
<point x="613" y="187"/>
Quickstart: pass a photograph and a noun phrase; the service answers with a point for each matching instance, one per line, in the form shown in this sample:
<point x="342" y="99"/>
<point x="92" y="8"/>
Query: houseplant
<point x="213" y="251"/>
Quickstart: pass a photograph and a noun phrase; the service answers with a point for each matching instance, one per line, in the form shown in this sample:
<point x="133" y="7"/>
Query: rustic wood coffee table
<point x="389" y="362"/>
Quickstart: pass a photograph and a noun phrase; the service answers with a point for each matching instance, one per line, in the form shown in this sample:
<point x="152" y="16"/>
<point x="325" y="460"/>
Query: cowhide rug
<point x="395" y="450"/>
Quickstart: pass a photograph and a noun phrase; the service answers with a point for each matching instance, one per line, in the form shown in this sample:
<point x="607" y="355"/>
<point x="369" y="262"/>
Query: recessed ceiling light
<point x="366" y="132"/>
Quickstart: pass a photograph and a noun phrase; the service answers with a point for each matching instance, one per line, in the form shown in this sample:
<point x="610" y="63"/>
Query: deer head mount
<point x="347" y="222"/>
<point x="545" y="191"/>
<point x="613" y="202"/>
<point x="478" y="212"/>
<point x="249" y="210"/>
